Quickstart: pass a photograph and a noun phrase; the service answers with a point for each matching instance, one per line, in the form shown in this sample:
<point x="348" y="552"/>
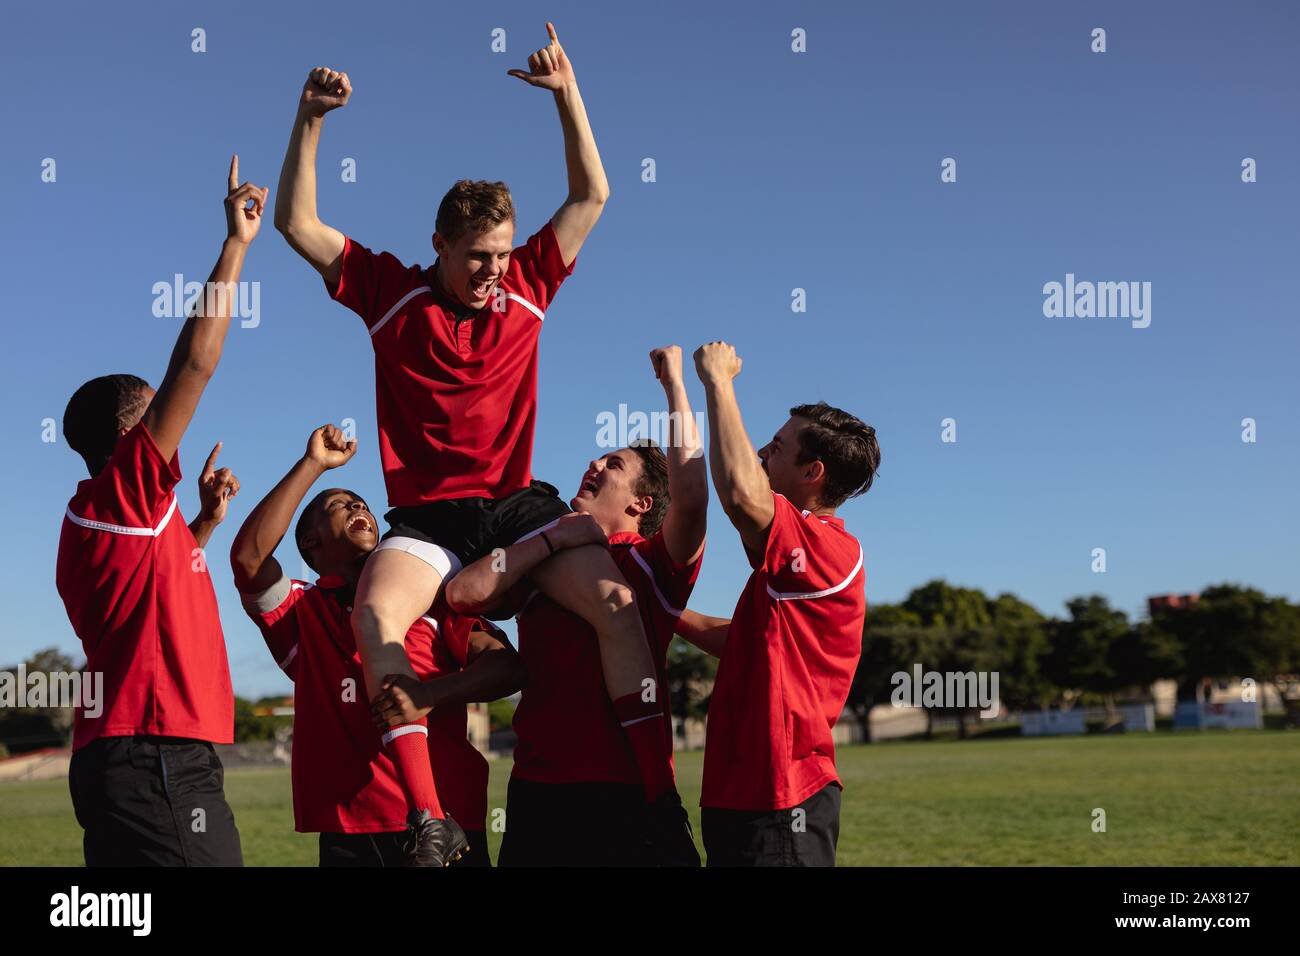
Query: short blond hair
<point x="474" y="205"/>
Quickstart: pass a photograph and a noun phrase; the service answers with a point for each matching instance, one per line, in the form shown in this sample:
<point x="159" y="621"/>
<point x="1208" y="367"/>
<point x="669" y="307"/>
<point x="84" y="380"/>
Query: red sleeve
<point x="135" y="488"/>
<point x="454" y="630"/>
<point x="804" y="555"/>
<point x="274" y="611"/>
<point x="373" y="285"/>
<point x="537" y="268"/>
<point x="673" y="582"/>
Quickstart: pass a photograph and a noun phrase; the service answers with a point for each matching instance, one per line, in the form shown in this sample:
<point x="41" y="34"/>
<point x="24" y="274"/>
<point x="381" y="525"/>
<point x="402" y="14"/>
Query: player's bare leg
<point x="587" y="582"/>
<point x="395" y="589"/>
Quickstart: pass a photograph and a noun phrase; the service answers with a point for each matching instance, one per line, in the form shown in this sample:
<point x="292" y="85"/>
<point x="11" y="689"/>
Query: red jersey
<point x="456" y="390"/>
<point x="784" y="675"/>
<point x="137" y="591"/>
<point x="566" y="725"/>
<point x="343" y="781"/>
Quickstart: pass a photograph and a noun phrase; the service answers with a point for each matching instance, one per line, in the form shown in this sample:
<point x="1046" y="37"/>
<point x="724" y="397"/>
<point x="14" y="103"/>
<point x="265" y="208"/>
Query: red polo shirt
<point x="343" y="780"/>
<point x="565" y="723"/>
<point x="137" y="591"/>
<point x="456" y="391"/>
<point x="791" y="651"/>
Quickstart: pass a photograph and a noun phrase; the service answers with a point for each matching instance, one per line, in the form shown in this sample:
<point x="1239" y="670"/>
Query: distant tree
<point x="690" y="673"/>
<point x="1235" y="631"/>
<point x="24" y="729"/>
<point x="1079" y="659"/>
<point x="1020" y="642"/>
<point x="501" y="714"/>
<point x="885" y="643"/>
<point x="1143" y="655"/>
<point x="251" y="726"/>
<point x="937" y="604"/>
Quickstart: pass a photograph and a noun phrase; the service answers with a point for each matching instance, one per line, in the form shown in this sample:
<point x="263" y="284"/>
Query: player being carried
<point x="144" y="771"/>
<point x="571" y="758"/>
<point x="456" y="379"/>
<point x="793" y="643"/>
<point x="344" y="786"/>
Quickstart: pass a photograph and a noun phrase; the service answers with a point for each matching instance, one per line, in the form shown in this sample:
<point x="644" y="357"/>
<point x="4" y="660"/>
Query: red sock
<point x="408" y="747"/>
<point x="643" y="723"/>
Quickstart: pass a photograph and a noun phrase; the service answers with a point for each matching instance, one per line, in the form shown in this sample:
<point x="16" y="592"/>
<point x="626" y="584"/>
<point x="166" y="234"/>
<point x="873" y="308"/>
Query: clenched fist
<point x="717" y="362"/>
<point x="327" y="448"/>
<point x="324" y="90"/>
<point x="667" y="363"/>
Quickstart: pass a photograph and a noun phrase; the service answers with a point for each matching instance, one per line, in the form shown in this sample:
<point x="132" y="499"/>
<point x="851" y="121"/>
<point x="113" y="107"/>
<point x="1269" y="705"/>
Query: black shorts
<point x="775" y="837"/>
<point x="385" y="849"/>
<point x="153" y="801"/>
<point x="573" y="824"/>
<point x="471" y="528"/>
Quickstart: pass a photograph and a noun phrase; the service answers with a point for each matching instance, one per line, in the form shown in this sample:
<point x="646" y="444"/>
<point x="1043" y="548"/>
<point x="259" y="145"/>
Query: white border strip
<point x="541" y="316"/>
<point x="403" y="730"/>
<point x="640" y="720"/>
<point x="288" y="658"/>
<point x="400" y="302"/>
<point x="806" y="595"/>
<point x="123" y="529"/>
<point x="636" y="556"/>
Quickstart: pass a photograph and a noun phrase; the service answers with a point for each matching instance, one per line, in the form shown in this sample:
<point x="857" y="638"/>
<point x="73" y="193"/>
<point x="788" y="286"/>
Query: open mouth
<point x="360" y="524"/>
<point x="588" y="485"/>
<point x="479" y="290"/>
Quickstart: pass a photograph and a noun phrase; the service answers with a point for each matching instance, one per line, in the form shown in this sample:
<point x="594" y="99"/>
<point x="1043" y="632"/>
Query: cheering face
<point x="780" y="459"/>
<point x="344" y="530"/>
<point x="473" y="265"/>
<point x="608" y="487"/>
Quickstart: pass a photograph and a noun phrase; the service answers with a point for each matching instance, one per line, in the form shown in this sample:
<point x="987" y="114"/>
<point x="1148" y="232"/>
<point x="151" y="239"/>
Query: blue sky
<point x="775" y="170"/>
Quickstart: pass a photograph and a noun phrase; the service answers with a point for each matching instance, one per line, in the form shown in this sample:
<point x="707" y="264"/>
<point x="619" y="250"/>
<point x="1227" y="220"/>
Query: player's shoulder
<point x="387" y="264"/>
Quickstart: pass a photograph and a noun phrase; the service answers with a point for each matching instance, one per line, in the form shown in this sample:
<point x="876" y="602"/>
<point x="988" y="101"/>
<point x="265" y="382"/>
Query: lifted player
<point x="145" y="770"/>
<point x="345" y="785"/>
<point x="572" y="758"/>
<point x="456" y="379"/>
<point x="794" y="640"/>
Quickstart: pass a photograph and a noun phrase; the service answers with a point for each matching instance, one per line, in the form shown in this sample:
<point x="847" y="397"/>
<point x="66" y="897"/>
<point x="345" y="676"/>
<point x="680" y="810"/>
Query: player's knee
<point x="462" y="597"/>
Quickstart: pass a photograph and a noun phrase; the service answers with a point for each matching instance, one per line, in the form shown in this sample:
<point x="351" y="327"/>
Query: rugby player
<point x="771" y="794"/>
<point x="345" y="785"/>
<point x="572" y="758"/>
<point x="456" y="379"/>
<point x="147" y="785"/>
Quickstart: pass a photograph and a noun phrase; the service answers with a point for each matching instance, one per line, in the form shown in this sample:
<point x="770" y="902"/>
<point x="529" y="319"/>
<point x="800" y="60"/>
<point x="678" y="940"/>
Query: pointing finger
<point x="234" y="172"/>
<point x="212" y="459"/>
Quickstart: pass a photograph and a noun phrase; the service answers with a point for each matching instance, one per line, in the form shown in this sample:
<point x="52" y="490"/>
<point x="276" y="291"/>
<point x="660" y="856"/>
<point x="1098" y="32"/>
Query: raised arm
<point x="252" y="556"/>
<point x="198" y="347"/>
<point x="688" y="475"/>
<point x="738" y="476"/>
<point x="707" y="633"/>
<point x="550" y="69"/>
<point x="492" y="670"/>
<point x="295" y="199"/>
<point x="495" y="582"/>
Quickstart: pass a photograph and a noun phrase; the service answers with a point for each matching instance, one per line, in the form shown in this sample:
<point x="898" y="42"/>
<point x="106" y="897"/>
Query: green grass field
<point x="1191" y="799"/>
